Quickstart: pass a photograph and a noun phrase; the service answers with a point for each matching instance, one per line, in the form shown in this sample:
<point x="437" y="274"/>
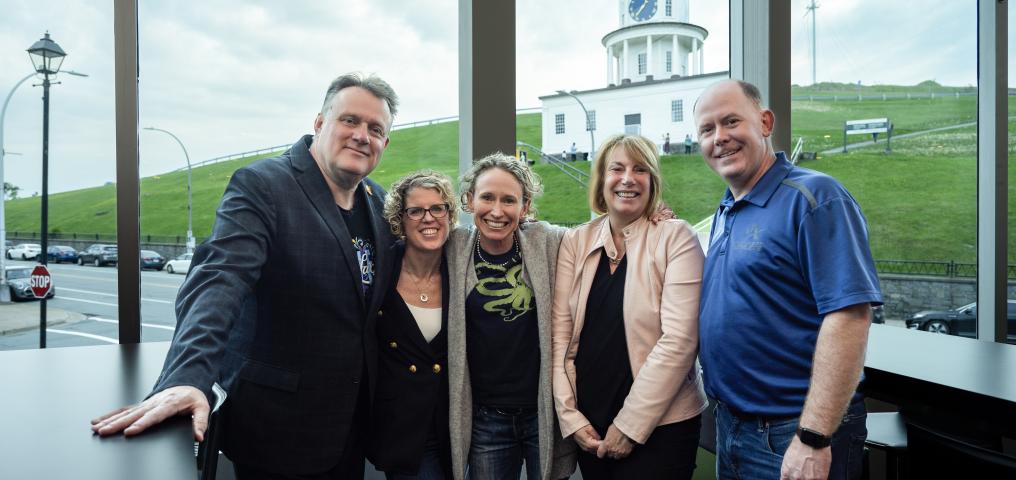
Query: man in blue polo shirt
<point x="786" y="302"/>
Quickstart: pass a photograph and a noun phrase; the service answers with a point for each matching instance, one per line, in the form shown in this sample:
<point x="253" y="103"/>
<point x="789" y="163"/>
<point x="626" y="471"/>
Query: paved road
<point x="92" y="292"/>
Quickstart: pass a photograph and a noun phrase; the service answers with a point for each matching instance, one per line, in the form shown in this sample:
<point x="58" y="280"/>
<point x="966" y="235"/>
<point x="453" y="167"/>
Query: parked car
<point x="878" y="314"/>
<point x="24" y="251"/>
<point x="98" y="255"/>
<point x="179" y="264"/>
<point x="62" y="253"/>
<point x="152" y="259"/>
<point x="18" y="282"/>
<point x="961" y="321"/>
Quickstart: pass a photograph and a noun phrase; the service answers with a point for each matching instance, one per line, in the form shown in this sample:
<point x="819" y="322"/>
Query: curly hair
<point x="530" y="182"/>
<point x="641" y="150"/>
<point x="395" y="202"/>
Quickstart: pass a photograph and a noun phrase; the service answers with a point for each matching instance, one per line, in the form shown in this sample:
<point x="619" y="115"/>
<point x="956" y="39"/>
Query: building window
<point x="669" y="8"/>
<point x="559" y="123"/>
<point x="633" y="124"/>
<point x="591" y="121"/>
<point x="670" y="64"/>
<point x="642" y="64"/>
<point x="677" y="110"/>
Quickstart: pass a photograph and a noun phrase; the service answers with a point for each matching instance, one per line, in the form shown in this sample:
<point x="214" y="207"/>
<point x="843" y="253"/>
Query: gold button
<point x="436" y="368"/>
<point x="412" y="369"/>
<point x="393" y="345"/>
<point x="380" y="313"/>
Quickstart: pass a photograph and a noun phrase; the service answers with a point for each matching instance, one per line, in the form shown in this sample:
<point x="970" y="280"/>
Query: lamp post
<point x="190" y="225"/>
<point x="589" y="123"/>
<point x="4" y="292"/>
<point x="47" y="57"/>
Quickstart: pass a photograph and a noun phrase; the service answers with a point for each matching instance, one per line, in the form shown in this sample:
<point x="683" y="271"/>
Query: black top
<point x="410" y="407"/>
<point x="602" y="369"/>
<point x="502" y="335"/>
<point x="358" y="224"/>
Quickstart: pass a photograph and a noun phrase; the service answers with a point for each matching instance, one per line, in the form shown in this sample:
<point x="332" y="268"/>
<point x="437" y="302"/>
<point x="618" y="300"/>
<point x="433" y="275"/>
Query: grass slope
<point x="920" y="201"/>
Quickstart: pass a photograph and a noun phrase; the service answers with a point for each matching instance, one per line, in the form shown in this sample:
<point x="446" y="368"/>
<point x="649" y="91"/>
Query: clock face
<point x="641" y="10"/>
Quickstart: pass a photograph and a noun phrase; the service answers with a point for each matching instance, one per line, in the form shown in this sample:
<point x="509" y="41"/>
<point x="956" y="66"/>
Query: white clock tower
<point x="653" y="40"/>
<point x="654" y="74"/>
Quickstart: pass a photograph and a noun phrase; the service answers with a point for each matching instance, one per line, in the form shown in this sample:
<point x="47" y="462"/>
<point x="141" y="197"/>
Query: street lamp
<point x="589" y="123"/>
<point x="3" y="225"/>
<point x="190" y="233"/>
<point x="47" y="57"/>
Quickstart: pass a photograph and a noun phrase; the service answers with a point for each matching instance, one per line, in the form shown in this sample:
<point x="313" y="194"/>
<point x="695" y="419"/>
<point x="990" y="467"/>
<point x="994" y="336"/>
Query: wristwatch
<point x="812" y="438"/>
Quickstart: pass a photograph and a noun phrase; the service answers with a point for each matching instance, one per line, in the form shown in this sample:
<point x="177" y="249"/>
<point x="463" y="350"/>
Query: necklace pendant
<point x="424" y="298"/>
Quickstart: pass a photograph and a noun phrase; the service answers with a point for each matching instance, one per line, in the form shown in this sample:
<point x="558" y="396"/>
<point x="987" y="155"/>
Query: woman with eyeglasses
<point x="409" y="418"/>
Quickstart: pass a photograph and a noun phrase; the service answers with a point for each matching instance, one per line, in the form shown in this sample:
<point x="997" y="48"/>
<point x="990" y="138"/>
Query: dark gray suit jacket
<point x="272" y="310"/>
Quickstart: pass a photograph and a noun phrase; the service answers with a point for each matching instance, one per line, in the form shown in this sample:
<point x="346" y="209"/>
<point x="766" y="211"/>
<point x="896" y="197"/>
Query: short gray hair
<point x="372" y="83"/>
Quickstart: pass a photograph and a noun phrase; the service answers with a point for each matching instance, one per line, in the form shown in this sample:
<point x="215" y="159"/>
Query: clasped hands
<point x="616" y="445"/>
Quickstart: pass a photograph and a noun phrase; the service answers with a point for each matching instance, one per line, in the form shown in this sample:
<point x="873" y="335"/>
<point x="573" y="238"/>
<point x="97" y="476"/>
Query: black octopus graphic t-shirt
<point x="502" y="334"/>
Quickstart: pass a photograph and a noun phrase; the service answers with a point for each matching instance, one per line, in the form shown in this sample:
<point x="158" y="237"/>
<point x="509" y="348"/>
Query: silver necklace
<point x="423" y="292"/>
<point x="504" y="264"/>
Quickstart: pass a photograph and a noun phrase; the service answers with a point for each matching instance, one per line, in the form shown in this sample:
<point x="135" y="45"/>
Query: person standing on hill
<point x="786" y="302"/>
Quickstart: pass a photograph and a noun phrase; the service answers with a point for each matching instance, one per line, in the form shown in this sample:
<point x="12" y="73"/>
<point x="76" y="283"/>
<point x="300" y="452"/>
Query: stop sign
<point x="41" y="282"/>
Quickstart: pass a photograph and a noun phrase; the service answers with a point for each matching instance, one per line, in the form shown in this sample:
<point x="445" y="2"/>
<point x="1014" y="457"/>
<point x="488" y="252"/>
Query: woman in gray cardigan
<point x="501" y="275"/>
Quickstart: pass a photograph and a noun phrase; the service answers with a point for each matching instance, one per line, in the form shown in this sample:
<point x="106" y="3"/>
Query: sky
<point x="228" y="76"/>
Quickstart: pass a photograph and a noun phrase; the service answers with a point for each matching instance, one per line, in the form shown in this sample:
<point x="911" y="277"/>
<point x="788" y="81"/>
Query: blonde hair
<point x="641" y="150"/>
<point x="395" y="202"/>
<point x="532" y="188"/>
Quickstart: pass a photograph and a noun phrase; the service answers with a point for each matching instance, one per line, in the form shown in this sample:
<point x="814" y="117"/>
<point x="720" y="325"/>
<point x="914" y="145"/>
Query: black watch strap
<point x="813" y="439"/>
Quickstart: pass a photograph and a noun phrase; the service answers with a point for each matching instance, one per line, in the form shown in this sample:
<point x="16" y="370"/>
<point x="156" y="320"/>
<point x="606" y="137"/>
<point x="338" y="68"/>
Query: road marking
<point x="85" y="301"/>
<point x="82" y="334"/>
<point x="150" y="325"/>
<point x="112" y="295"/>
<point x="114" y="280"/>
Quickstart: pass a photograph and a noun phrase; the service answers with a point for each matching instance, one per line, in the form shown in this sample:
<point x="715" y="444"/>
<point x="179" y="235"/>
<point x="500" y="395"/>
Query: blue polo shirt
<point x="789" y="252"/>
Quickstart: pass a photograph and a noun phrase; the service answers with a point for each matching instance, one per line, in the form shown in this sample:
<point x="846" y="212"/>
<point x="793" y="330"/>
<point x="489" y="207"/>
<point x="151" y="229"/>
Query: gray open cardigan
<point x="539" y="242"/>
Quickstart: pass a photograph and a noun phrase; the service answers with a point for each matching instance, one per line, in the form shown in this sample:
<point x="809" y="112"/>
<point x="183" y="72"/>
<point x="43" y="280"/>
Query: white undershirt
<point x="428" y="319"/>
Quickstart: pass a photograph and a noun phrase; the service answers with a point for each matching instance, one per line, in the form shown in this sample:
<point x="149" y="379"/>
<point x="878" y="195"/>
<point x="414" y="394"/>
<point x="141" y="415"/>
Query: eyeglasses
<point x="439" y="210"/>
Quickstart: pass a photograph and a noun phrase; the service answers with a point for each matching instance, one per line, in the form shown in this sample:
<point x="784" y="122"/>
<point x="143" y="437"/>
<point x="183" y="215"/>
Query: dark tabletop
<point x="958" y="377"/>
<point x="48" y="397"/>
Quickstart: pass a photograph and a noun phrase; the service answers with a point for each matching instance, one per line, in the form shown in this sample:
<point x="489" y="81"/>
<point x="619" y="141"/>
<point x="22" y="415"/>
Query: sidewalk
<point x="20" y="316"/>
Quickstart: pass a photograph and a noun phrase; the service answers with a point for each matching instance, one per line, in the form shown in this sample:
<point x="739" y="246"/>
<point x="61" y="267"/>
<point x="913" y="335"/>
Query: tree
<point x="11" y="191"/>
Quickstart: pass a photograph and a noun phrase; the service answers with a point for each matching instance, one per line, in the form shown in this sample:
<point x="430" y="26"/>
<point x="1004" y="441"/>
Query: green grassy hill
<point x="919" y="200"/>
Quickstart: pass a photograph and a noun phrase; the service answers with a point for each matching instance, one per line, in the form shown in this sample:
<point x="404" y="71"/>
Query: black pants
<point x="669" y="453"/>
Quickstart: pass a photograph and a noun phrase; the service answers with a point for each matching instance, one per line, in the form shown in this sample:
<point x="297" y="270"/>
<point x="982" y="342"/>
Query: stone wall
<point x="905" y="295"/>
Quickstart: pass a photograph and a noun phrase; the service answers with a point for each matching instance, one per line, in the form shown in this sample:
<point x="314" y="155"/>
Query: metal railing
<point x="575" y="174"/>
<point x="278" y="148"/>
<point x="883" y="96"/>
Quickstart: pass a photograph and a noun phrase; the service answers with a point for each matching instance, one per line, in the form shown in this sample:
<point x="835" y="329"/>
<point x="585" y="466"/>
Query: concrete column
<point x="624" y="64"/>
<point x="702" y="58"/>
<point x="694" y="56"/>
<point x="675" y="62"/>
<point x="760" y="54"/>
<point x="649" y="55"/>
<point x="610" y="65"/>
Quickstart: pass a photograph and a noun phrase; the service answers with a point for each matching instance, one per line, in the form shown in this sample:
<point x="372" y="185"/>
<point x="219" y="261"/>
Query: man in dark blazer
<point x="279" y="305"/>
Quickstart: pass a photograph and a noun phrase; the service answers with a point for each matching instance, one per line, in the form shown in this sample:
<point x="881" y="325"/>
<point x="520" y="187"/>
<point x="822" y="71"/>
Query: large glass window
<point x="901" y="135"/>
<point x="81" y="174"/>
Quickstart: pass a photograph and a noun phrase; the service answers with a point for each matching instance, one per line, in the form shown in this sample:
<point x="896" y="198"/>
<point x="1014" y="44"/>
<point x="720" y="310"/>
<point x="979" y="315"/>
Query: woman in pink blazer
<point x="625" y="326"/>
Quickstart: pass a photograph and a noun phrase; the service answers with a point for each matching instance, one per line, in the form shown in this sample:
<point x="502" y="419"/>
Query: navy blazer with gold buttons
<point x="411" y="405"/>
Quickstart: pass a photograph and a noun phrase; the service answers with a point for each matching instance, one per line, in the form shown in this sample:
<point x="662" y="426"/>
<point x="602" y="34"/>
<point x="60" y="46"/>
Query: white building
<point x="654" y="74"/>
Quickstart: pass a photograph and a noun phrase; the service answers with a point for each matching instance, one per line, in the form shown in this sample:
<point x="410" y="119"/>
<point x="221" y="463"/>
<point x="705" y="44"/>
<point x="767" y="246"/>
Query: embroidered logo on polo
<point x="512" y="297"/>
<point x="752" y="240"/>
<point x="365" y="258"/>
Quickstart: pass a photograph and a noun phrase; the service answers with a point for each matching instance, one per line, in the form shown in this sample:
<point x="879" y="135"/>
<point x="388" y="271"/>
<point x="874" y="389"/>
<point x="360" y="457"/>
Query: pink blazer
<point x="661" y="304"/>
